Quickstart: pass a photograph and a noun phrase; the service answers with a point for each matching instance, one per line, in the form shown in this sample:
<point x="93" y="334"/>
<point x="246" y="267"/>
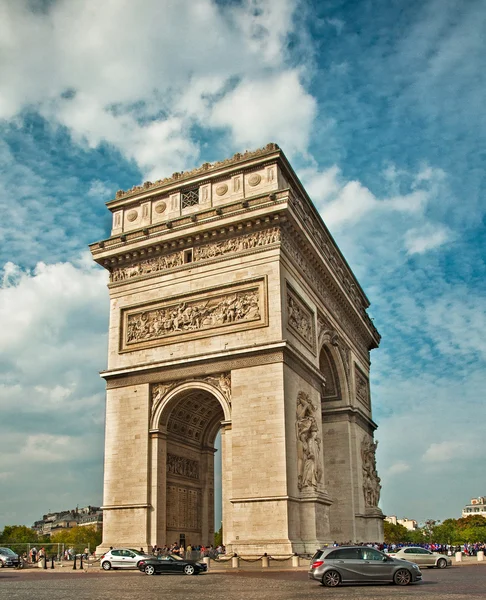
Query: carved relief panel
<point x="158" y="264"/>
<point x="362" y="387"/>
<point x="235" y="307"/>
<point x="300" y="319"/>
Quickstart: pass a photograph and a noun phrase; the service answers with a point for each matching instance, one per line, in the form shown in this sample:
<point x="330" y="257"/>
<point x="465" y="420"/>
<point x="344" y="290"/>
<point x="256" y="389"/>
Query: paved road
<point x="455" y="583"/>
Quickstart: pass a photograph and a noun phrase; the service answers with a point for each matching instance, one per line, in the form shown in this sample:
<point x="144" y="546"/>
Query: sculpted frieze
<point x="300" y="318"/>
<point x="193" y="314"/>
<point x="326" y="248"/>
<point x="237" y="244"/>
<point x="182" y="466"/>
<point x="322" y="287"/>
<point x="234" y="245"/>
<point x="371" y="481"/>
<point x="362" y="387"/>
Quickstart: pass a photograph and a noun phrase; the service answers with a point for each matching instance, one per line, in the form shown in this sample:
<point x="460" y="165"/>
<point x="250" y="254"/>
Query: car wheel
<point x="149" y="570"/>
<point x="442" y="563"/>
<point x="1" y="564"/>
<point x="106" y="565"/>
<point x="189" y="570"/>
<point x="402" y="577"/>
<point x="331" y="579"/>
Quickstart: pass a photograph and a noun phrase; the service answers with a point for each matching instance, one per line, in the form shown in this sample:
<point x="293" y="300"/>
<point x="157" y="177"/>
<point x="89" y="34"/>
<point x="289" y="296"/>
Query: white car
<point x="423" y="557"/>
<point x="122" y="558"/>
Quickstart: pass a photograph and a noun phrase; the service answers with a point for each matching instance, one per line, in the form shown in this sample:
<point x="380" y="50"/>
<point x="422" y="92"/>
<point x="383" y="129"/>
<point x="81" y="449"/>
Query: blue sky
<point x="379" y="105"/>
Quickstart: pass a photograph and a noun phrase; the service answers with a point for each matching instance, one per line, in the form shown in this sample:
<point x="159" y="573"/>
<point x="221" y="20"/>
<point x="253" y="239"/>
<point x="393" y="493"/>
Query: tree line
<point x="469" y="529"/>
<point x="75" y="537"/>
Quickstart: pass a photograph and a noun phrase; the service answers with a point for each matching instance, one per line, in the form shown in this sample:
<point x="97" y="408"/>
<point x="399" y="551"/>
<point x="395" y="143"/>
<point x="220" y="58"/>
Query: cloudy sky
<point x="379" y="105"/>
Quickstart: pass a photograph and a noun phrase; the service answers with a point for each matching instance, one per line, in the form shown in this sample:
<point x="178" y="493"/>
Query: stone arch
<point x="185" y="420"/>
<point x="334" y="365"/>
<point x="159" y="410"/>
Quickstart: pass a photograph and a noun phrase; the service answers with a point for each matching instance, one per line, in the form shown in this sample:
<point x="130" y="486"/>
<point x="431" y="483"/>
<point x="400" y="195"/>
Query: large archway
<point x="185" y="423"/>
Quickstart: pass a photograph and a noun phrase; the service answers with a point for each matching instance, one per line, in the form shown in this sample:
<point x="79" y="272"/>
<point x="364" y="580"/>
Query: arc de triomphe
<point x="233" y="310"/>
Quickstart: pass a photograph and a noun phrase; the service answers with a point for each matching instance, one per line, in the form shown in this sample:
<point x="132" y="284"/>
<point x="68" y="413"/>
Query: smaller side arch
<point x="337" y="355"/>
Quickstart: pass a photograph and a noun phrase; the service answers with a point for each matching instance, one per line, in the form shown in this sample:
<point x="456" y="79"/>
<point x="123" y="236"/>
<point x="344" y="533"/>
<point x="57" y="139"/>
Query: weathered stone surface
<point x="232" y="309"/>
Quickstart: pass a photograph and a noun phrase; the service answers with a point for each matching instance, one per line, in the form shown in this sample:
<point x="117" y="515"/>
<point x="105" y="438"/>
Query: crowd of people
<point x="189" y="551"/>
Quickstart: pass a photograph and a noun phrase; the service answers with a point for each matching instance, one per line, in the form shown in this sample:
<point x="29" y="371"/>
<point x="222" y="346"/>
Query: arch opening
<point x="327" y="366"/>
<point x="190" y="420"/>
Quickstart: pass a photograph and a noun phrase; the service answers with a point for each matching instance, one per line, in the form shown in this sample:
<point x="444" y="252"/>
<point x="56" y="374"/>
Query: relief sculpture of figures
<point x="308" y="443"/>
<point x="223" y="382"/>
<point x="299" y="319"/>
<point x="193" y="315"/>
<point x="371" y="481"/>
<point x="204" y="252"/>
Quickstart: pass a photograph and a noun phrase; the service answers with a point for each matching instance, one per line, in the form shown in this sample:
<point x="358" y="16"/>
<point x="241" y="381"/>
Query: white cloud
<point x="147" y="91"/>
<point x="275" y="108"/>
<point x="428" y="237"/>
<point x="448" y="450"/>
<point x="398" y="468"/>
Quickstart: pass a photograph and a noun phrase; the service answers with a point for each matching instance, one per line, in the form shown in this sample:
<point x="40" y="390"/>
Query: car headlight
<point x="415" y="567"/>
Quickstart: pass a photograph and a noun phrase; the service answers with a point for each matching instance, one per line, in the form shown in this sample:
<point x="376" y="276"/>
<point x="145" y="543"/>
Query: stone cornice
<point x="354" y="322"/>
<point x="206" y="364"/>
<point x="183" y="177"/>
<point x="349" y="413"/>
<point x="176" y="233"/>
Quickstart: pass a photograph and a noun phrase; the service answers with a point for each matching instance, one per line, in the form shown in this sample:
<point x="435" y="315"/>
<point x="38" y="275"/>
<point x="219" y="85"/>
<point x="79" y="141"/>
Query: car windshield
<point x="7" y="551"/>
<point x="176" y="557"/>
<point x="136" y="551"/>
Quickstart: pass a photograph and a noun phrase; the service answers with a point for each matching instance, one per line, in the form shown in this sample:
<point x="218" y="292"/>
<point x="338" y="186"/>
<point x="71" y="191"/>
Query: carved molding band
<point x="371" y="481"/>
<point x="300" y="319"/>
<point x="196" y="315"/>
<point x="322" y="285"/>
<point x="155" y="265"/>
<point x="182" y="466"/>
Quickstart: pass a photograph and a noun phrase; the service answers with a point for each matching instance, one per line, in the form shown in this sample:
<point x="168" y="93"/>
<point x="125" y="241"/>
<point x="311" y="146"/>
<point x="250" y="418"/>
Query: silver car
<point x="360" y="564"/>
<point x="8" y="558"/>
<point x="122" y="558"/>
<point x="423" y="557"/>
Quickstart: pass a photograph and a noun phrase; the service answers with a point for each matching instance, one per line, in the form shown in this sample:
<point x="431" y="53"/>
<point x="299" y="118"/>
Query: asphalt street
<point x="457" y="582"/>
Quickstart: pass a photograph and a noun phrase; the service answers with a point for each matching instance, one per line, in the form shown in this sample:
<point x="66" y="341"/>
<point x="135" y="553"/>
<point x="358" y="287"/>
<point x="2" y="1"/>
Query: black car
<point x="171" y="563"/>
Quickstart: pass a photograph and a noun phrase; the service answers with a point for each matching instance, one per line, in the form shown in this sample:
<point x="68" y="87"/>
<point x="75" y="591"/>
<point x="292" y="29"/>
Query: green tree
<point x="78" y="537"/>
<point x="18" y="534"/>
<point x="446" y="532"/>
<point x="395" y="533"/>
<point x="471" y="521"/>
<point x="218" y="537"/>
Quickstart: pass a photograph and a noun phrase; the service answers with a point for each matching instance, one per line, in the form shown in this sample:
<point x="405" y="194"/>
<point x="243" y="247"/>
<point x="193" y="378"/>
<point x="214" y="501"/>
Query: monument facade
<point x="233" y="310"/>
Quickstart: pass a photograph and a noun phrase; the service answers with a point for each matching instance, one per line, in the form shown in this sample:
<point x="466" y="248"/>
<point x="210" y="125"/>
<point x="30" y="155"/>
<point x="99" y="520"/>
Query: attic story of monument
<point x="232" y="310"/>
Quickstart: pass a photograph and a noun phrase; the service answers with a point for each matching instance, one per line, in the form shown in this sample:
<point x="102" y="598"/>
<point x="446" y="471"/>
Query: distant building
<point x="67" y="519"/>
<point x="409" y="524"/>
<point x="477" y="507"/>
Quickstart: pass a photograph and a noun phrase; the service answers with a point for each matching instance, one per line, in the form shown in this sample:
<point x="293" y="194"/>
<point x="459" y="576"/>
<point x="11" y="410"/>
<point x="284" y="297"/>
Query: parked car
<point x="122" y="558"/>
<point x="8" y="558"/>
<point x="360" y="564"/>
<point x="423" y="557"/>
<point x="171" y="563"/>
